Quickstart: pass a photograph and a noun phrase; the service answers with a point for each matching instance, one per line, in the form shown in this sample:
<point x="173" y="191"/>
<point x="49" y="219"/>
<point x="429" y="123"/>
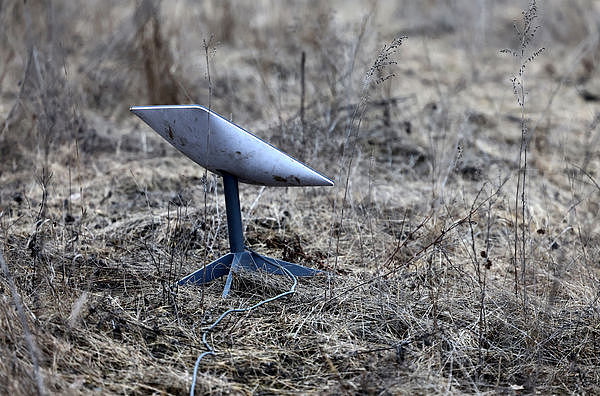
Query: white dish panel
<point x="219" y="145"/>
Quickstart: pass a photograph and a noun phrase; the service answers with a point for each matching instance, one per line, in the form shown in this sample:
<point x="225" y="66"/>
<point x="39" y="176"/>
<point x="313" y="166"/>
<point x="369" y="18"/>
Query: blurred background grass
<point x="98" y="216"/>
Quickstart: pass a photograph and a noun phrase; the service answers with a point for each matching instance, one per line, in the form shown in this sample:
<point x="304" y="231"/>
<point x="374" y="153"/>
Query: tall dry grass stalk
<point x="525" y="34"/>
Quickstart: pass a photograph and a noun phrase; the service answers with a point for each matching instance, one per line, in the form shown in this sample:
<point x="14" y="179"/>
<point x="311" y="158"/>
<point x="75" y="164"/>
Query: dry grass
<point x="98" y="216"/>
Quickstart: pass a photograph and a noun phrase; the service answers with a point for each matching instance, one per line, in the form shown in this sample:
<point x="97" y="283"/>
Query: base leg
<point x="236" y="263"/>
<point x="246" y="260"/>
<point x="212" y="271"/>
<point x="270" y="265"/>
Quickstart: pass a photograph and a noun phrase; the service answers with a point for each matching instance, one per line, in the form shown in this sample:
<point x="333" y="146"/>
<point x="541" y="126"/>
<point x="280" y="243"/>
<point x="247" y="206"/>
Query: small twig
<point x="302" y="88"/>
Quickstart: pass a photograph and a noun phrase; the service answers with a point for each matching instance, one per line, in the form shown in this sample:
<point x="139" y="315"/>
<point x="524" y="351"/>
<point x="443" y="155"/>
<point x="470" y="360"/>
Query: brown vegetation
<point x="463" y="229"/>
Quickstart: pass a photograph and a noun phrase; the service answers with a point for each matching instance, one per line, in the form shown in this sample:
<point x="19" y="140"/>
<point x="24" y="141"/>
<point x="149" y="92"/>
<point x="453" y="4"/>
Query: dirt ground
<point x="461" y="236"/>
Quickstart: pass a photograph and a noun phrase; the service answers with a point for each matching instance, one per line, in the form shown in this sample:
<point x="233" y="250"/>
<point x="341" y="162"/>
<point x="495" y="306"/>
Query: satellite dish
<point x="238" y="156"/>
<point x="221" y="146"/>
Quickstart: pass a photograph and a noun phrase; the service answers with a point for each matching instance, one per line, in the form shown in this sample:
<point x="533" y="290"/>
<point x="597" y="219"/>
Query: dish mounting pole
<point x="240" y="257"/>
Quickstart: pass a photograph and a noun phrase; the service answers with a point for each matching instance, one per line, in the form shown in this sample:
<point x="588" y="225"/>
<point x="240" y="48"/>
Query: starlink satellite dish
<point x="238" y="156"/>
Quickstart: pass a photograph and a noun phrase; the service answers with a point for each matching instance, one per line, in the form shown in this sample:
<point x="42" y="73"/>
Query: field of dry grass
<point x="462" y="234"/>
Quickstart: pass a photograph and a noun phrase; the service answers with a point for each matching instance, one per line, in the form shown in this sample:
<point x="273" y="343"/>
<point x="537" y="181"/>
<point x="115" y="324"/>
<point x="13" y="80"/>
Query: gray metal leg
<point x="212" y="271"/>
<point x="246" y="260"/>
<point x="267" y="264"/>
<point x="236" y="264"/>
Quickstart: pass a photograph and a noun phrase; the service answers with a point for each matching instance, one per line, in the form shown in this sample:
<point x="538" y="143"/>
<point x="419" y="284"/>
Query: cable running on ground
<point x="210" y="350"/>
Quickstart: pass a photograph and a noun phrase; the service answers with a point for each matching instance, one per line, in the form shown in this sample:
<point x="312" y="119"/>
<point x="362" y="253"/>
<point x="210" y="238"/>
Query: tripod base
<point x="247" y="260"/>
